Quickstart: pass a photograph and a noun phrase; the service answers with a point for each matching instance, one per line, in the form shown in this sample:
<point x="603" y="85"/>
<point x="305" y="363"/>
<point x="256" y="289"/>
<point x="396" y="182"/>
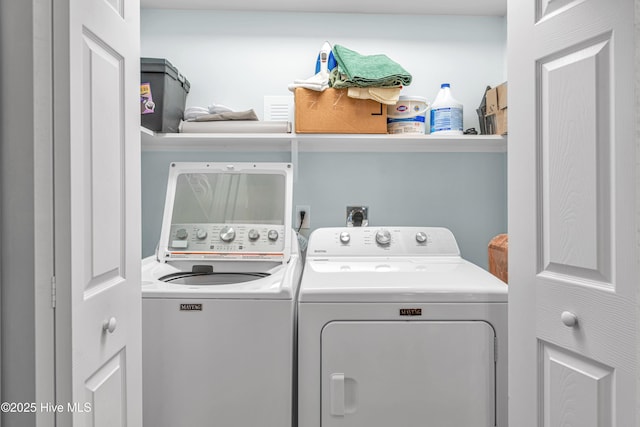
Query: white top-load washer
<point x="396" y="329"/>
<point x="218" y="299"/>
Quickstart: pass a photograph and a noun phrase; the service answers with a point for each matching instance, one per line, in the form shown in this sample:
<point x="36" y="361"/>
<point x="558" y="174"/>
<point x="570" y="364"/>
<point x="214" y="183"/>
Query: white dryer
<point x="218" y="299"/>
<point x="396" y="329"/>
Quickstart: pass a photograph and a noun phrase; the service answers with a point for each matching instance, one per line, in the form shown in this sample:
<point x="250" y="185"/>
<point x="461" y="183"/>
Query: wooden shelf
<point x="152" y="141"/>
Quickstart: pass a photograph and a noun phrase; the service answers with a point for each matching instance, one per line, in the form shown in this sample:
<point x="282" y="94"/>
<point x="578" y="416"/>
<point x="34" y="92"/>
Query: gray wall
<point x="17" y="151"/>
<point x="26" y="200"/>
<point x="237" y="58"/>
<point x="465" y="192"/>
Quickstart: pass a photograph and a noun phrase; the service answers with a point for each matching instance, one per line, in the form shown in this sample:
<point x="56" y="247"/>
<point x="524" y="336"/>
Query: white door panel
<point x="97" y="186"/>
<point x="378" y="372"/>
<point x="574" y="168"/>
<point x="572" y="202"/>
<point x="577" y="391"/>
<point x="106" y="393"/>
<point x="104" y="174"/>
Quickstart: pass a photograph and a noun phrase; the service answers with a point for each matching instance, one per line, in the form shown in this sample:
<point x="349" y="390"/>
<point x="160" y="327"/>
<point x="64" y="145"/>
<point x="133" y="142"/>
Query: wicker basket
<point x="498" y="257"/>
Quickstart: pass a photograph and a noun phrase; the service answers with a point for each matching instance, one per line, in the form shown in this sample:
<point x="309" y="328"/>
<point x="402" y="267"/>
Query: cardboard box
<point x="497" y="121"/>
<point x="497" y="124"/>
<point x="332" y="111"/>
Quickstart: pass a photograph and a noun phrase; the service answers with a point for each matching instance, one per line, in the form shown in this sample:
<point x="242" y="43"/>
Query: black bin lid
<point x="162" y="65"/>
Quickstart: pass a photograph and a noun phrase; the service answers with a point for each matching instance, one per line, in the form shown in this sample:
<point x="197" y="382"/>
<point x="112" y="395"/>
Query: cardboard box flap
<point x="502" y="96"/>
<point x="496" y="99"/>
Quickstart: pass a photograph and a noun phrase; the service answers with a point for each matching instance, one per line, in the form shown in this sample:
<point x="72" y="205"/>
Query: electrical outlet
<point x="307" y="217"/>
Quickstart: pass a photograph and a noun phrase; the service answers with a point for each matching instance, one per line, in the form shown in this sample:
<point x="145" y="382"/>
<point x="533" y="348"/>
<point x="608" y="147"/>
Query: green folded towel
<point x="355" y="69"/>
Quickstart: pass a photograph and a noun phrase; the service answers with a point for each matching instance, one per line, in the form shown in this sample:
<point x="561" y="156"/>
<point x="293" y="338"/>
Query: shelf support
<point x="294" y="158"/>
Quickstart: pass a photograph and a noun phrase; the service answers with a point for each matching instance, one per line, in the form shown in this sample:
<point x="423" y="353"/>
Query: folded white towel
<point x="389" y="96"/>
<point x="218" y="108"/>
<point x="192" y="113"/>
<point x="319" y="82"/>
<point x="318" y="87"/>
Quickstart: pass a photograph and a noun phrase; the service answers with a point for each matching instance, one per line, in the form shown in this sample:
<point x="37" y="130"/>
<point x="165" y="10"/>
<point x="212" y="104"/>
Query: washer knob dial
<point x="181" y="234"/>
<point x="254" y="234"/>
<point x="201" y="234"/>
<point x="227" y="234"/>
<point x="421" y="237"/>
<point x="383" y="237"/>
<point x="273" y="235"/>
<point x="345" y="237"/>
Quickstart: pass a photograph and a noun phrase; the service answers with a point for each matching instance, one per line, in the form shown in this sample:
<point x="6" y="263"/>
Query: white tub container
<point x="407" y="116"/>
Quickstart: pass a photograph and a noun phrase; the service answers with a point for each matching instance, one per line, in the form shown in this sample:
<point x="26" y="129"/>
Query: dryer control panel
<point x="386" y="241"/>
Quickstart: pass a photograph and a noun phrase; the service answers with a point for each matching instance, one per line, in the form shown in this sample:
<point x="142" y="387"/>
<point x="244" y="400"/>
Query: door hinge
<point x="53" y="291"/>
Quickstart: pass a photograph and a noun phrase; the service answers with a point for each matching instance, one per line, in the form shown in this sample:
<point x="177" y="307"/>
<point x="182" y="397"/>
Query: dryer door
<point x="388" y="373"/>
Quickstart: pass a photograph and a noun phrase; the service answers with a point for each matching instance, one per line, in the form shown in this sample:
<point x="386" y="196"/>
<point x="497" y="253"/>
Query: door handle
<point x="109" y="325"/>
<point x="569" y="319"/>
<point x="337" y="395"/>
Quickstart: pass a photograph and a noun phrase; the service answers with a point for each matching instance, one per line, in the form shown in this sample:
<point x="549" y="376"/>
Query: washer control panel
<point x="224" y="238"/>
<point x="227" y="211"/>
<point x="389" y="241"/>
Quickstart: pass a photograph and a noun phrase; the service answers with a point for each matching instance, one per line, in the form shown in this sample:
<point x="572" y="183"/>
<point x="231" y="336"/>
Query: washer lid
<point x="223" y="211"/>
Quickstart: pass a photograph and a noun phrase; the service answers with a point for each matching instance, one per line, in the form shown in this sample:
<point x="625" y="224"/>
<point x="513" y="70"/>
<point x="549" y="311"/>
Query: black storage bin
<point x="161" y="83"/>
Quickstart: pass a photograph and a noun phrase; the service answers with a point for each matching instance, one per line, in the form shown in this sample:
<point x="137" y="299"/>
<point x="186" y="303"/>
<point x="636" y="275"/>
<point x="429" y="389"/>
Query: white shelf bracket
<point x="294" y="158"/>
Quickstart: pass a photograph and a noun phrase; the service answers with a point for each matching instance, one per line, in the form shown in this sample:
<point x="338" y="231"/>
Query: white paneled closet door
<point x="97" y="212"/>
<point x="573" y="207"/>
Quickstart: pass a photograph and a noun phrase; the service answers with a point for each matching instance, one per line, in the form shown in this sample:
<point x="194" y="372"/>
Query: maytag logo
<point x="190" y="307"/>
<point x="410" y="312"/>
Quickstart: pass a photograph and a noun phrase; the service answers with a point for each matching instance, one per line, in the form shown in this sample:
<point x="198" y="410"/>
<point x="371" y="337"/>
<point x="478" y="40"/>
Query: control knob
<point x="227" y="234"/>
<point x="254" y="234"/>
<point x="273" y="235"/>
<point x="345" y="237"/>
<point x="421" y="237"/>
<point x="201" y="234"/>
<point x="383" y="237"/>
<point x="181" y="234"/>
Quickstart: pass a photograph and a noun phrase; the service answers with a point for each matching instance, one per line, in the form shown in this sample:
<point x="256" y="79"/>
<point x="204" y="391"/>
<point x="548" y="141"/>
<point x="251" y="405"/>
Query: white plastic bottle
<point x="446" y="113"/>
